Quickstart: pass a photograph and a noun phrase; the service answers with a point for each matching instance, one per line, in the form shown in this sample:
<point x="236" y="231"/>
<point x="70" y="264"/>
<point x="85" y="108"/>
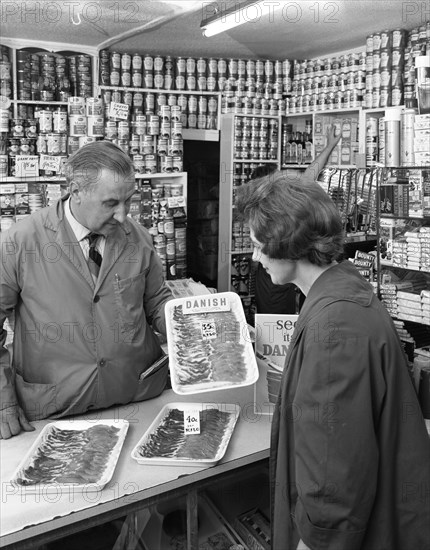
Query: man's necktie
<point x="94" y="256"/>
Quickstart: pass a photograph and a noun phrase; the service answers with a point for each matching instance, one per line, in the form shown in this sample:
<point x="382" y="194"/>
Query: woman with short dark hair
<point x="276" y="298"/>
<point x="348" y="435"/>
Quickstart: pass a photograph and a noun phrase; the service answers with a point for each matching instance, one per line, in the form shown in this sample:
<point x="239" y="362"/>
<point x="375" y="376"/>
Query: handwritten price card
<point x="50" y="163"/>
<point x="27" y="166"/>
<point x="191" y="421"/>
<point x="208" y="329"/>
<point x="119" y="110"/>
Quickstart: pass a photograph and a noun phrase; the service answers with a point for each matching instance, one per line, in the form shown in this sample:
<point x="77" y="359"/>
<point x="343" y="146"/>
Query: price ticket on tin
<point x="119" y="110"/>
<point x="191" y="421"/>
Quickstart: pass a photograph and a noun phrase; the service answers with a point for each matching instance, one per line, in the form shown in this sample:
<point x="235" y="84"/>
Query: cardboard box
<point x="7" y="200"/>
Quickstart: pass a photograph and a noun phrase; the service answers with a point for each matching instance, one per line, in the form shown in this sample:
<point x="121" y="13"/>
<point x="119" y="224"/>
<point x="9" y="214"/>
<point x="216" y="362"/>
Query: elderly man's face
<point x="106" y="206"/>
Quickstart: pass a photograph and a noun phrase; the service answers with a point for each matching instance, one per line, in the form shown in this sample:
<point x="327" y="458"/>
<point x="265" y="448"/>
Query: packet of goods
<point x="409" y="296"/>
<point x="364" y="256"/>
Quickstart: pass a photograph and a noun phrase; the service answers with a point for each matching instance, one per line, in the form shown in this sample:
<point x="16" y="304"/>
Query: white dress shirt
<point x="81" y="232"/>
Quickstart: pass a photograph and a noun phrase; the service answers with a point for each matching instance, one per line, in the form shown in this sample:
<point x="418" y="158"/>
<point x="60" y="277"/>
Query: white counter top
<point x="23" y="516"/>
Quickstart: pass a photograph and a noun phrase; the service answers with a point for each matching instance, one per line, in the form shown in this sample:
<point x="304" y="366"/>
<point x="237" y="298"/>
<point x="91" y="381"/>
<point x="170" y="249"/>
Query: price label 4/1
<point x="191" y="421"/>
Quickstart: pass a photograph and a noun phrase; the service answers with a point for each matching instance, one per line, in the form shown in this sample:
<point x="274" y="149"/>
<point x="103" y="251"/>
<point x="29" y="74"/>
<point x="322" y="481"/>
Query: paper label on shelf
<point x="119" y="110"/>
<point x="50" y="163"/>
<point x="205" y="304"/>
<point x="8" y="189"/>
<point x="27" y="166"/>
<point x="176" y="202"/>
<point x="191" y="421"/>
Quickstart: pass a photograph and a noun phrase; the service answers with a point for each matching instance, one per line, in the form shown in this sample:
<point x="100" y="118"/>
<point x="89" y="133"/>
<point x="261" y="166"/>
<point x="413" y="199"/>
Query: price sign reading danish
<point x="191" y="421"/>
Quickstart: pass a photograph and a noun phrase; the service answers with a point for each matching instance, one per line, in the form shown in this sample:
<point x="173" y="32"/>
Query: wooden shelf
<point x="157" y="90"/>
<point x="387" y="263"/>
<point x="161" y="175"/>
<point x="325" y="112"/>
<point x="395" y="217"/>
<point x="38" y="102"/>
<point x="200" y="135"/>
<point x="251" y="115"/>
<point x="32" y="179"/>
<point x="261" y="161"/>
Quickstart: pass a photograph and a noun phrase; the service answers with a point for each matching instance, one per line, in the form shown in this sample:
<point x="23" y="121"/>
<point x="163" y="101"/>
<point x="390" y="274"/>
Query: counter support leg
<point x="192" y="522"/>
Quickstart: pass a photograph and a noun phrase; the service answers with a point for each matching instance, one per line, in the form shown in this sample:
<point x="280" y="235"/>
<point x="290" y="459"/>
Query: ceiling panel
<point x="301" y="29"/>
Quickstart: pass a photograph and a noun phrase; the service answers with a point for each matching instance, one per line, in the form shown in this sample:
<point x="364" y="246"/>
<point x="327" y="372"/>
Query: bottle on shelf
<point x="297" y="145"/>
<point x="300" y="147"/>
<point x="308" y="144"/>
<point x="308" y="148"/>
<point x="294" y="149"/>
<point x="286" y="143"/>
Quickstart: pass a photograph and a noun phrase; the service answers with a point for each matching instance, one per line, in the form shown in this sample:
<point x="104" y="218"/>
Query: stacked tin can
<point x="326" y="84"/>
<point x="27" y="75"/>
<point x="47" y="87"/>
<point x="54" y="130"/>
<point x="6" y="91"/>
<point x="417" y="44"/>
<point x="43" y="131"/>
<point x="6" y="84"/>
<point x="86" y="121"/>
<point x="161" y="74"/>
<point x="52" y="77"/>
<point x="22" y="137"/>
<point x="52" y="138"/>
<point x="385" y="57"/>
<point x="17" y="200"/>
<point x="151" y="133"/>
<point x="253" y="87"/>
<point x="80" y="74"/>
<point x="163" y="214"/>
<point x="255" y="138"/>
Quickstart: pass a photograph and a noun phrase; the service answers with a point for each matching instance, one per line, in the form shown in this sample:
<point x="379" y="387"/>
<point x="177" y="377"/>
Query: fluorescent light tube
<point x="250" y="12"/>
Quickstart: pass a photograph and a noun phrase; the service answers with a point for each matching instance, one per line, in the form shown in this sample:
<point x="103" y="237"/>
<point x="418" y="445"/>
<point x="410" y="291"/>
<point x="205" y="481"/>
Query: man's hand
<point x="13" y="421"/>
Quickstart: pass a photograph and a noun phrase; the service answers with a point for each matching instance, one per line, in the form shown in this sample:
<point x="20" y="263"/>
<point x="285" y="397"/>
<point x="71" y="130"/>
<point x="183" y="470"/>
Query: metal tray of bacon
<point x="166" y="442"/>
<point x="70" y="455"/>
<point x="209" y="345"/>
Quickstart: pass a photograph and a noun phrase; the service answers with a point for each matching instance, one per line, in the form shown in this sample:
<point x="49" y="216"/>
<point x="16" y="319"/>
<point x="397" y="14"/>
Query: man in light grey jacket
<point x="87" y="289"/>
